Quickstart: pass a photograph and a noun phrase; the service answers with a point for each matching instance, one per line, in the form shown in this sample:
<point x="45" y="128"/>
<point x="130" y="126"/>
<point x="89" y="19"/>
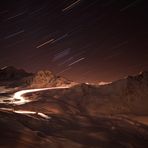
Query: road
<point x="19" y="99"/>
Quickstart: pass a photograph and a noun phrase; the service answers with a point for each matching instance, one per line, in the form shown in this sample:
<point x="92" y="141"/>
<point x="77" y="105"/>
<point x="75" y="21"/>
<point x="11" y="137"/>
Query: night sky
<point x="83" y="40"/>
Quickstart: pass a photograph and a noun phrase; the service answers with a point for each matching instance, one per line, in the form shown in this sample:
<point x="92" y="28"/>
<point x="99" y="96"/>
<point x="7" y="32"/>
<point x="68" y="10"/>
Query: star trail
<point x="86" y="41"/>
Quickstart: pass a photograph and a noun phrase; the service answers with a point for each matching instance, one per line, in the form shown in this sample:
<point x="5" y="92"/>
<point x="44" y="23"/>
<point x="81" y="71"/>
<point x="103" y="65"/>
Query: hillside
<point x="126" y="96"/>
<point x="77" y="116"/>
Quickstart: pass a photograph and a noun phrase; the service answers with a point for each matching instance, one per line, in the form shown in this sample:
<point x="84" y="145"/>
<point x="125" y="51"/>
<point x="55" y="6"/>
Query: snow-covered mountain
<point x="125" y="96"/>
<point x="83" y="115"/>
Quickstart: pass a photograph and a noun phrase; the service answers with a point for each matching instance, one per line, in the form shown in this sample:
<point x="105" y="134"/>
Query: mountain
<point x="13" y="77"/>
<point x="46" y="78"/>
<point x="126" y="96"/>
<point x="11" y="73"/>
<point x="81" y="116"/>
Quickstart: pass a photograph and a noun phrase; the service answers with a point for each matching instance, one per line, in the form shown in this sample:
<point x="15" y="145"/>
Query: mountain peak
<point x="45" y="78"/>
<point x="11" y="73"/>
<point x="140" y="77"/>
<point x="144" y="73"/>
<point x="8" y="68"/>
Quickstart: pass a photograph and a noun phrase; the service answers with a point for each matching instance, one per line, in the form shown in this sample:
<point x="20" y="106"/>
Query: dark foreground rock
<point x="30" y="131"/>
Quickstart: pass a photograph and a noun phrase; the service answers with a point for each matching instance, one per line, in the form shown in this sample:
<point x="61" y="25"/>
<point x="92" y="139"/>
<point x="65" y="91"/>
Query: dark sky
<point x="84" y="40"/>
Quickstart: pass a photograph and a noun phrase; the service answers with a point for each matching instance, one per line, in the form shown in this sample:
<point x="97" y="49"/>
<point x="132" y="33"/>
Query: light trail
<point x="71" y="5"/>
<point x="22" y="100"/>
<point x="32" y="112"/>
<point x="77" y="61"/>
<point x="19" y="95"/>
<point x="27" y="112"/>
<point x="45" y="43"/>
<point x="14" y="34"/>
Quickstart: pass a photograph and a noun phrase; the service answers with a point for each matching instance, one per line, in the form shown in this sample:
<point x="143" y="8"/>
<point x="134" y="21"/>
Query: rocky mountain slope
<point x="46" y="78"/>
<point x="126" y="96"/>
<point x="11" y="73"/>
<point x="12" y="77"/>
<point x="81" y="116"/>
<point x="29" y="131"/>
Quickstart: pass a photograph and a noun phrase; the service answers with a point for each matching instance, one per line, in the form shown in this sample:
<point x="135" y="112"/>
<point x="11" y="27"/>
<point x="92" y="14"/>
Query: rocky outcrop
<point x="13" y="77"/>
<point x="10" y="74"/>
<point x="126" y="96"/>
<point x="29" y="131"/>
<point x="46" y="78"/>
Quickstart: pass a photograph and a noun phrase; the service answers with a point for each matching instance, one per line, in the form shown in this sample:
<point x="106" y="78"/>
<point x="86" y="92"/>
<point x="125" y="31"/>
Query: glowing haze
<point x="85" y="41"/>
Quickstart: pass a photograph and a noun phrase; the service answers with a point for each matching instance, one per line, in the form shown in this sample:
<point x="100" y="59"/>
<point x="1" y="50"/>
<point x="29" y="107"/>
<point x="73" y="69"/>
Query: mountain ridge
<point x="20" y="78"/>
